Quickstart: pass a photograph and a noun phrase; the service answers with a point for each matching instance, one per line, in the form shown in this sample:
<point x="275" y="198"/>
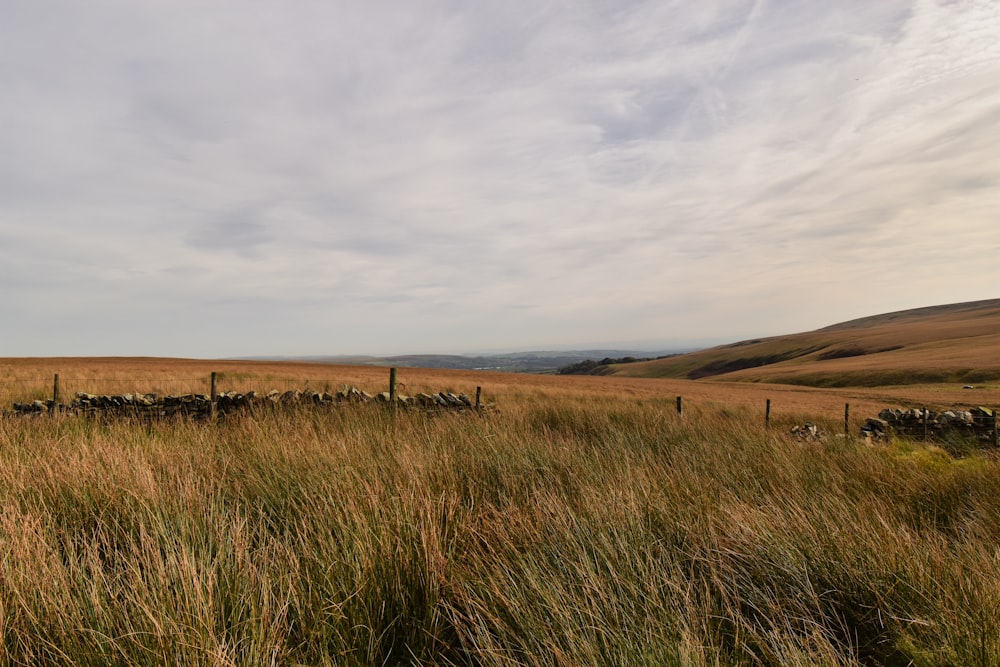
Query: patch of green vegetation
<point x="723" y="366"/>
<point x="602" y="367"/>
<point x="854" y="351"/>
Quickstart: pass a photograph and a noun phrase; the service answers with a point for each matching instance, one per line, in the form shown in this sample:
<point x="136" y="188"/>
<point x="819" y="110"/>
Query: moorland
<point x="575" y="521"/>
<point x="953" y="343"/>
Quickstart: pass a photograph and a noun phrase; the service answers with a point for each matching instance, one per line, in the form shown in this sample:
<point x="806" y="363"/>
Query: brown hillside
<point x="951" y="343"/>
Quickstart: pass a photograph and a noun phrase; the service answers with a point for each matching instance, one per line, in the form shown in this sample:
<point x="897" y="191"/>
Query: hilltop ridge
<point x="957" y="342"/>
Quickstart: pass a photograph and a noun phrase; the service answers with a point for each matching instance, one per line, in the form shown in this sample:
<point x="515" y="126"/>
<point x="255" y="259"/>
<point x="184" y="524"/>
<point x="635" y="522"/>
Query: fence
<point x="979" y="423"/>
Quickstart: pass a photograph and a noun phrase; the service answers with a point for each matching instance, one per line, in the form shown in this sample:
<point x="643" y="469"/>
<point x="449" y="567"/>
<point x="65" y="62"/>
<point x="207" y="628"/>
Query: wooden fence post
<point x="55" y="395"/>
<point x="847" y="419"/>
<point x="213" y="394"/>
<point x="392" y="386"/>
<point x="680" y="405"/>
<point x="479" y="396"/>
<point x="925" y="421"/>
<point x="767" y="414"/>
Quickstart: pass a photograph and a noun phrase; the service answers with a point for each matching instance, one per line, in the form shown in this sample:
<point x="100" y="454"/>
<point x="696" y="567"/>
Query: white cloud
<point x="491" y="174"/>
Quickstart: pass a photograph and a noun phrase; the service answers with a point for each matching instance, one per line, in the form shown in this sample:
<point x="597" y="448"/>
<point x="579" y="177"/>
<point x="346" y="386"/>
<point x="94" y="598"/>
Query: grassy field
<point x="582" y="522"/>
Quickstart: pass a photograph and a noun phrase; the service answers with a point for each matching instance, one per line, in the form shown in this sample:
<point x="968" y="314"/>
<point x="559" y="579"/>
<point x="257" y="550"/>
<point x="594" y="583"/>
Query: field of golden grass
<point x="581" y="522"/>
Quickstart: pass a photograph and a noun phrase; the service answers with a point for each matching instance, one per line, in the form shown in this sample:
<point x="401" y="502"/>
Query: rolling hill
<point x="949" y="343"/>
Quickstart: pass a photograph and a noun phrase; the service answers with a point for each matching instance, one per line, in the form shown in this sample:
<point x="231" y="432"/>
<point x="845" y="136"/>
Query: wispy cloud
<point x="488" y="174"/>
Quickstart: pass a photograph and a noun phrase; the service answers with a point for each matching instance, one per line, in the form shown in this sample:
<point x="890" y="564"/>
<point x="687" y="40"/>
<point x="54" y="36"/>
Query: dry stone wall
<point x="977" y="423"/>
<point x="200" y="405"/>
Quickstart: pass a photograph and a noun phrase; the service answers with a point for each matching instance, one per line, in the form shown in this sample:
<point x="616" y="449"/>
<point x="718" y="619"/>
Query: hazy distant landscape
<point x="947" y="343"/>
<point x="511" y="362"/>
<point x="957" y="343"/>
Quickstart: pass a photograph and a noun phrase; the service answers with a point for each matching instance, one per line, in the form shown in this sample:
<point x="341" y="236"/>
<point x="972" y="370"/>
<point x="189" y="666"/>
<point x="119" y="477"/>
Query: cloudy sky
<point x="253" y="177"/>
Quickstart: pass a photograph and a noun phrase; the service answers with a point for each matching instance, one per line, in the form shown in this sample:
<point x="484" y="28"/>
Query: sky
<point x="320" y="177"/>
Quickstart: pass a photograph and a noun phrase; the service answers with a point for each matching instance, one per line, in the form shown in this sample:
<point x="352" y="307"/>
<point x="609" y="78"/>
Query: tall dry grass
<point x="564" y="529"/>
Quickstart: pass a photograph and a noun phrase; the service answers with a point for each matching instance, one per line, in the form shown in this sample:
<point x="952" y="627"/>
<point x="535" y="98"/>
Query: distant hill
<point x="949" y="343"/>
<point x="513" y="362"/>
